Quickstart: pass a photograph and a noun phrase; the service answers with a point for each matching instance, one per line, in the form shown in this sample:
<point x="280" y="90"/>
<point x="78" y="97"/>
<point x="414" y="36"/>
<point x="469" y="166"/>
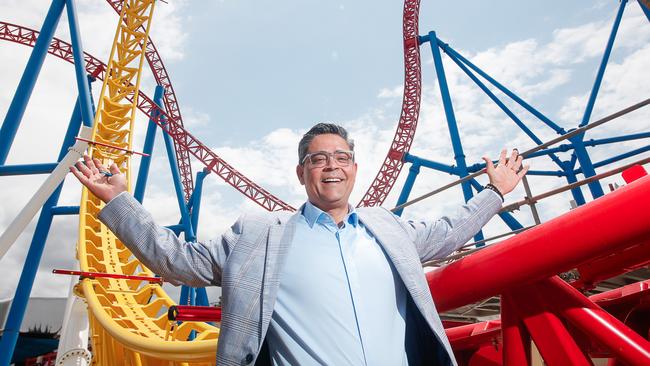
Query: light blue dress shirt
<point x="340" y="300"/>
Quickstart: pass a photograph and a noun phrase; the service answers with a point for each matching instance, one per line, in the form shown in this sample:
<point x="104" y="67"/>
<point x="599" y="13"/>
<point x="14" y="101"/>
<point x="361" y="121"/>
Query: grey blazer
<point x="246" y="261"/>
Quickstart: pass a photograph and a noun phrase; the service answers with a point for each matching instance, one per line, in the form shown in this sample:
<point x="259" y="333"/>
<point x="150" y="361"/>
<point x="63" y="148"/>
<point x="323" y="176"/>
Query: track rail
<point x="392" y="166"/>
<point x="96" y="68"/>
<point x="171" y="104"/>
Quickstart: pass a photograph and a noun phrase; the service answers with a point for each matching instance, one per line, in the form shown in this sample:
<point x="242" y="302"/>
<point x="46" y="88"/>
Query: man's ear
<point x="300" y="171"/>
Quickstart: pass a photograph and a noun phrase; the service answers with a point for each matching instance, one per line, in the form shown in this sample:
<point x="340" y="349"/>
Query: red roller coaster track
<point x="388" y="173"/>
<point x="186" y="144"/>
<point x="185" y="140"/>
<point x="392" y="166"/>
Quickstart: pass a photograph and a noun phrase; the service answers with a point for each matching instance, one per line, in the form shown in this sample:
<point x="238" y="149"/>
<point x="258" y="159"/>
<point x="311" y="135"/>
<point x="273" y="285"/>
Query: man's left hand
<point x="507" y="173"/>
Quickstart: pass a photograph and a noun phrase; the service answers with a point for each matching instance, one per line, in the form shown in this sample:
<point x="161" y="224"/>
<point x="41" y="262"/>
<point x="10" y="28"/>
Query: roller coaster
<point x="130" y="315"/>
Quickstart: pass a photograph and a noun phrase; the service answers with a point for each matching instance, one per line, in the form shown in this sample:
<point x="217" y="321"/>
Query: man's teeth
<point x="332" y="180"/>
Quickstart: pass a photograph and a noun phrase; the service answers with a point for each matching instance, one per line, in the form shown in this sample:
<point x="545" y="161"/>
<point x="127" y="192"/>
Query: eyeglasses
<point x="320" y="159"/>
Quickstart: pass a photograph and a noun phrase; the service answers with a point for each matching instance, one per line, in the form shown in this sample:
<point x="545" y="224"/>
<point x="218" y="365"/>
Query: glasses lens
<point x="318" y="159"/>
<point x="343" y="158"/>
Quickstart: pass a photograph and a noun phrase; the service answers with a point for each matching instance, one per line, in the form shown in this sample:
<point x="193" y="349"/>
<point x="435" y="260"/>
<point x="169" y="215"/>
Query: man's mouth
<point x="331" y="180"/>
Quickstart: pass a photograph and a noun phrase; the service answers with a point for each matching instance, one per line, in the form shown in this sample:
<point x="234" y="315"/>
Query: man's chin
<point x="330" y="202"/>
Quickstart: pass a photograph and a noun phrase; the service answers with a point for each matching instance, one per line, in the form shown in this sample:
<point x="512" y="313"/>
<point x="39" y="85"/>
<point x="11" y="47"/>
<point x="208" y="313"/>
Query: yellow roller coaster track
<point x="128" y="318"/>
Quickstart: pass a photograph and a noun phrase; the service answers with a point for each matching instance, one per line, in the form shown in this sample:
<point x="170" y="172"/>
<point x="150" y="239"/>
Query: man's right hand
<point x="507" y="173"/>
<point x="92" y="174"/>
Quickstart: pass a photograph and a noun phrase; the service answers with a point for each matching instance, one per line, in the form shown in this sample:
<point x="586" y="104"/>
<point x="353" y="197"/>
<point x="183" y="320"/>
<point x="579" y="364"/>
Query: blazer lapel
<point x="278" y="244"/>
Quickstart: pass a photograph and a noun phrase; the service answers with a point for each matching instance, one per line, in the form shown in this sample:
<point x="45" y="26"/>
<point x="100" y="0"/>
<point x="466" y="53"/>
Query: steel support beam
<point x="622" y="156"/>
<point x="579" y="147"/>
<point x="502" y="106"/>
<point x="459" y="155"/>
<point x="645" y="6"/>
<point x="553" y="340"/>
<point x="603" y="65"/>
<point x="85" y="101"/>
<point x="622" y="341"/>
<point x="195" y="202"/>
<point x="150" y="139"/>
<point x="516" y="340"/>
<point x="65" y="210"/>
<point x="450" y="51"/>
<point x="28" y="80"/>
<point x="182" y="205"/>
<point x="26" y="169"/>
<point x="578" y="196"/>
<point x="414" y="170"/>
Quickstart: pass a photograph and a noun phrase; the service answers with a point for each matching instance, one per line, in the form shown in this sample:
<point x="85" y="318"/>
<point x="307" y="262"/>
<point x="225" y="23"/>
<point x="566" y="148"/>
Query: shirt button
<point x="249" y="358"/>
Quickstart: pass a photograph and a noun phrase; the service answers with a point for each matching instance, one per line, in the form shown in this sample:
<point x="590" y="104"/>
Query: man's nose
<point x="330" y="164"/>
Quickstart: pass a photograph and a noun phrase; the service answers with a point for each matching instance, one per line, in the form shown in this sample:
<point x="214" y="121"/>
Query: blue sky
<point x="291" y="63"/>
<point x="251" y="77"/>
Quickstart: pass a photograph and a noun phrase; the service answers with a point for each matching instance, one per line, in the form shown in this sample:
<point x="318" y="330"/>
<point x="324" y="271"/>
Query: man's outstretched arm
<point x="437" y="239"/>
<point x="179" y="262"/>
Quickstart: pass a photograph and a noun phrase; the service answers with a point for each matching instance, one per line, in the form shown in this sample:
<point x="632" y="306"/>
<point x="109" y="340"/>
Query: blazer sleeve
<point x="179" y="262"/>
<point x="438" y="239"/>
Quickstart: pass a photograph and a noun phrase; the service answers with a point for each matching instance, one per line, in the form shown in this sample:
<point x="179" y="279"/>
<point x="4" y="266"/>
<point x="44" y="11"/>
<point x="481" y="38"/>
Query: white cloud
<point x="270" y="162"/>
<point x="557" y="77"/>
<point x="193" y="119"/>
<point x="391" y="92"/>
<point x="167" y="29"/>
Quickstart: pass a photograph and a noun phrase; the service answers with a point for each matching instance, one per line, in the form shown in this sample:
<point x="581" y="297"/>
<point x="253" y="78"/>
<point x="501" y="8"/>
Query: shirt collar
<point x="314" y="214"/>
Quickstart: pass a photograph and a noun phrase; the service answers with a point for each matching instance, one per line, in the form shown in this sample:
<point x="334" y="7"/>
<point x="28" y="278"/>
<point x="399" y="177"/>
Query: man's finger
<point x="83" y="169"/>
<point x="513" y="159"/>
<point x="98" y="164"/>
<point x="518" y="163"/>
<point x="82" y="178"/>
<point x="90" y="164"/>
<point x="502" y="158"/>
<point x="488" y="164"/>
<point x="523" y="172"/>
<point x="114" y="169"/>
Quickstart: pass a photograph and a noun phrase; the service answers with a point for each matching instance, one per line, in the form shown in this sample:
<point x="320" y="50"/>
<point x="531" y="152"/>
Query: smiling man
<point x="327" y="169"/>
<point x="327" y="285"/>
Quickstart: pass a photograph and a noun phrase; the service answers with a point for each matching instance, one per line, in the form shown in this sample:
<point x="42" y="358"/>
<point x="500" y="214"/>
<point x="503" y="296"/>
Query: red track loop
<point x="392" y="166"/>
<point x="388" y="173"/>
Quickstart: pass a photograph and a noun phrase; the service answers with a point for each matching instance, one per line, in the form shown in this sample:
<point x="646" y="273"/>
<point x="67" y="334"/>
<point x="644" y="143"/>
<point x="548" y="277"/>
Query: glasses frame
<point x="330" y="156"/>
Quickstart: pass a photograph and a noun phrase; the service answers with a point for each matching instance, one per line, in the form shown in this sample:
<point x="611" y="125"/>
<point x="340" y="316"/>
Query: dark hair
<point x="321" y="129"/>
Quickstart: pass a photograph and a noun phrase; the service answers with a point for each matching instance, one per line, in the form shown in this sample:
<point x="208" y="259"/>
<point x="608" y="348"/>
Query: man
<point x="330" y="284"/>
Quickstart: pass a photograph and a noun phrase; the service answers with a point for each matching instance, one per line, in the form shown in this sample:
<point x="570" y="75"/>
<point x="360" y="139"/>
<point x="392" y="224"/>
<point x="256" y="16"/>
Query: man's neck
<point x="337" y="213"/>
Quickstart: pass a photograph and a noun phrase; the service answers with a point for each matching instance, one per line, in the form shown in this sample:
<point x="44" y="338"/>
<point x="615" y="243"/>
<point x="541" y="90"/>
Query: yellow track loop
<point x="128" y="318"/>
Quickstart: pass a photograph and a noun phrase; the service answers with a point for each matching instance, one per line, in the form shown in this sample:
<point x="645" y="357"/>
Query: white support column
<point x="44" y="192"/>
<point x="73" y="343"/>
